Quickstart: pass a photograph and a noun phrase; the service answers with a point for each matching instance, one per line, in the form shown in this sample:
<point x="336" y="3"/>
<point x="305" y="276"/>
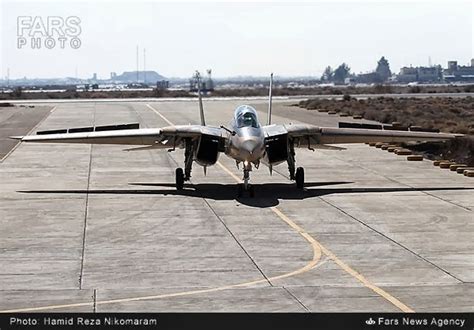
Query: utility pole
<point x="144" y="65"/>
<point x="137" y="66"/>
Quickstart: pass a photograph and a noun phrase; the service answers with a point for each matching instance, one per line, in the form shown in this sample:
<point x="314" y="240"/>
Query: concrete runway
<point x="100" y="229"/>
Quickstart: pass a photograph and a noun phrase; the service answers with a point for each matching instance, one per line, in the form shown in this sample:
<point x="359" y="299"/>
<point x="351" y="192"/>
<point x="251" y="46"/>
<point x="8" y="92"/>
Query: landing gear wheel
<point x="299" y="178"/>
<point x="179" y="179"/>
<point x="240" y="190"/>
<point x="251" y="191"/>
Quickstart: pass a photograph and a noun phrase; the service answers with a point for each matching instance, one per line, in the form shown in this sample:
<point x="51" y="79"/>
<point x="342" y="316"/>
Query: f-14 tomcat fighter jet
<point x="245" y="140"/>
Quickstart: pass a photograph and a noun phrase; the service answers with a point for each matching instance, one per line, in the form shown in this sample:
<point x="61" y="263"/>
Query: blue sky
<point x="240" y="38"/>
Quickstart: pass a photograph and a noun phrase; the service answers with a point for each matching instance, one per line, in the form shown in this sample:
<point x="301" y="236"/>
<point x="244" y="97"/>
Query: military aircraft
<point x="245" y="140"/>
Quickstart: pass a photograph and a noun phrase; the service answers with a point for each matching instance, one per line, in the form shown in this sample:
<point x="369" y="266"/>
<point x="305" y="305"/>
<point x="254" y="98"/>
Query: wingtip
<point x="16" y="137"/>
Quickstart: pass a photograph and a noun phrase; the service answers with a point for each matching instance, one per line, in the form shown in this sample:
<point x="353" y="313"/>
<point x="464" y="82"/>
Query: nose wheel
<point x="246" y="186"/>
<point x="241" y="190"/>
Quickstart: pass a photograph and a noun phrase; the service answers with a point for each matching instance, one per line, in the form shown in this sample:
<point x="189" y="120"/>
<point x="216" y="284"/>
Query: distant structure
<point x="144" y="65"/>
<point x="430" y="74"/>
<point x="458" y="73"/>
<point x="131" y="76"/>
<point x="138" y="69"/>
<point x="207" y="85"/>
<point x="383" y="70"/>
<point x="113" y="75"/>
<point x="436" y="74"/>
<point x="381" y="74"/>
<point x="452" y="66"/>
<point x="163" y="84"/>
<point x="209" y="82"/>
<point x="421" y="74"/>
<point x="365" y="78"/>
<point x="407" y="75"/>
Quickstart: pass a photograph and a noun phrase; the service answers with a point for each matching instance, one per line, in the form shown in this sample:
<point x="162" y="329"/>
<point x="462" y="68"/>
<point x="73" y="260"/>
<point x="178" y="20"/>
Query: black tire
<point x="251" y="191"/>
<point x="240" y="190"/>
<point x="299" y="178"/>
<point x="179" y="179"/>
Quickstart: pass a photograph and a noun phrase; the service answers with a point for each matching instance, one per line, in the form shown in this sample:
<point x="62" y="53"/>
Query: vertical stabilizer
<point x="201" y="108"/>
<point x="269" y="118"/>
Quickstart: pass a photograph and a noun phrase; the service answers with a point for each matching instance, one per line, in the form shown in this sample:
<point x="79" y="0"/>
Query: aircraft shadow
<point x="266" y="195"/>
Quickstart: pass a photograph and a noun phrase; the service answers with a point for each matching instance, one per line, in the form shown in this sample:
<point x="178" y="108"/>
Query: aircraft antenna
<point x="269" y="118"/>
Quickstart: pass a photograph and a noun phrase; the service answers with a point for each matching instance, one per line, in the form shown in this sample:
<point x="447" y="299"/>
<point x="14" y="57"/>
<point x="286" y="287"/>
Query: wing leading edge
<point x="156" y="137"/>
<point x="303" y="134"/>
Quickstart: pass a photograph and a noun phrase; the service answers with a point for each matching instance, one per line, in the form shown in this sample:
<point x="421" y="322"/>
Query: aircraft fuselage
<point x="247" y="142"/>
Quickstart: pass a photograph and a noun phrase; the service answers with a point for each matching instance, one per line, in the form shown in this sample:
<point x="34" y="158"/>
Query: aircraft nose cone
<point x="250" y="146"/>
<point x="252" y="150"/>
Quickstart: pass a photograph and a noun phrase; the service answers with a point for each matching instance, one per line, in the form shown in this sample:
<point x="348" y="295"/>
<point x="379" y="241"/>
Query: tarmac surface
<point x="18" y="121"/>
<point x="96" y="228"/>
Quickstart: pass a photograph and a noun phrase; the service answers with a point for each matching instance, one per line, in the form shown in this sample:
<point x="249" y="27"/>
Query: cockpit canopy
<point x="246" y="116"/>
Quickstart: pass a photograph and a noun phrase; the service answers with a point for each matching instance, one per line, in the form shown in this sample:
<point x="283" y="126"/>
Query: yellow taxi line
<point x="159" y="114"/>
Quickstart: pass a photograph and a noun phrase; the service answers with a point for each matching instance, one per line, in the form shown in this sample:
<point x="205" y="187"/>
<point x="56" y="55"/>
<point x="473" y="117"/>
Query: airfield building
<point x="458" y="73"/>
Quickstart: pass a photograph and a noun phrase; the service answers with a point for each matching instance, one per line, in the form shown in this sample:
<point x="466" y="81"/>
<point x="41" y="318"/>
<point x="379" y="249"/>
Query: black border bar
<point x="245" y="321"/>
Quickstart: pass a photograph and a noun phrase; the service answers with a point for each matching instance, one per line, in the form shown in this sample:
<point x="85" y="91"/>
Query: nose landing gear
<point x="241" y="190"/>
<point x="246" y="186"/>
<point x="246" y="178"/>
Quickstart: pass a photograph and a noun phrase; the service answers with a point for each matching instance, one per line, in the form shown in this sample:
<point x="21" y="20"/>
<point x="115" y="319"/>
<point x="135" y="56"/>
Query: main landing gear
<point x="182" y="176"/>
<point x="299" y="178"/>
<point x="179" y="178"/>
<point x="299" y="175"/>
